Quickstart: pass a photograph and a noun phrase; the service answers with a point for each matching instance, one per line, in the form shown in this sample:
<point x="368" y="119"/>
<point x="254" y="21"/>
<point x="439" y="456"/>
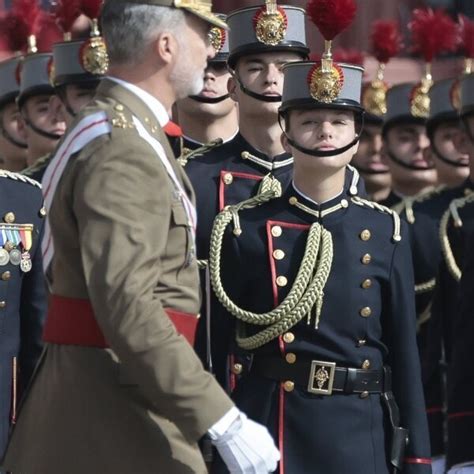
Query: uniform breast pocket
<point x="181" y="234"/>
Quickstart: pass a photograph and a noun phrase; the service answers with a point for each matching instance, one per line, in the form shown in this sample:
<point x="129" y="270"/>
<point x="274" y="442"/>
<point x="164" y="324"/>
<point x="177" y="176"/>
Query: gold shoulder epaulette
<point x="452" y="212"/>
<point x="39" y="164"/>
<point x="119" y="119"/>
<point x="396" y="236"/>
<point x="19" y="177"/>
<point x="187" y="154"/>
<point x="407" y="203"/>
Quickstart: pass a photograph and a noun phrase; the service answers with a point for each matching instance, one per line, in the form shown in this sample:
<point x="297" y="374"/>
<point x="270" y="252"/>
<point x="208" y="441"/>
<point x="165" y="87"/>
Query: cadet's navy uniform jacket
<point x="427" y="256"/>
<point x="22" y="297"/>
<point x="221" y="177"/>
<point x="367" y="321"/>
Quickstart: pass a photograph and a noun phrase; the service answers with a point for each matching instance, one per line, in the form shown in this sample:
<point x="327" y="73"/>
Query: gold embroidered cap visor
<point x="200" y="8"/>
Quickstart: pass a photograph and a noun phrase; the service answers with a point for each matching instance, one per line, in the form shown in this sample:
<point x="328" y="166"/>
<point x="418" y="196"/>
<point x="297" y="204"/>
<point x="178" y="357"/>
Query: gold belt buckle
<point x="321" y="377"/>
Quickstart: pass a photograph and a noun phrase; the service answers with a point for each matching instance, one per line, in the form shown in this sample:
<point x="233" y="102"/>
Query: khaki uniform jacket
<point x="121" y="241"/>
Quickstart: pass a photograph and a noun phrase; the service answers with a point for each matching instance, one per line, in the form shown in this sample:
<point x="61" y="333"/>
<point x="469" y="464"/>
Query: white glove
<point x="246" y="447"/>
<point x="466" y="468"/>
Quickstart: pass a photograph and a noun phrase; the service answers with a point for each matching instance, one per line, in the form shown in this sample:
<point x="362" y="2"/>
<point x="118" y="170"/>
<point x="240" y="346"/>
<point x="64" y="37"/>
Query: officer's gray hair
<point x="129" y="28"/>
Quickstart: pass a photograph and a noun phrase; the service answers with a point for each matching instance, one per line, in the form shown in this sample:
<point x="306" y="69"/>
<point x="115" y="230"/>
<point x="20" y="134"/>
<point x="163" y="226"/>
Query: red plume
<point x="91" y="8"/>
<point x="433" y="32"/>
<point x="466" y="29"/>
<point x="331" y="16"/>
<point x="386" y="40"/>
<point x="29" y="13"/>
<point x="48" y="35"/>
<point x="15" y="31"/>
<point x="65" y="13"/>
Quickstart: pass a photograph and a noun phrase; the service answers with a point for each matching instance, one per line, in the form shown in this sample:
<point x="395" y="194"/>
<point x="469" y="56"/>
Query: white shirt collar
<point x="152" y="102"/>
<point x="312" y="200"/>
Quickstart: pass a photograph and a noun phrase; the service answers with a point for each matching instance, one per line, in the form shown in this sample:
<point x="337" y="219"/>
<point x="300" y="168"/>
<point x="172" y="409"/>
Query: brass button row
<point x="276" y="231"/>
<point x="6" y="276"/>
<point x="366" y="259"/>
<point x="365" y="312"/>
<point x="365" y="235"/>
<point x="228" y="178"/>
<point x="366" y="284"/>
<point x="3" y="304"/>
<point x="9" y="217"/>
<point x="237" y="369"/>
<point x="281" y="281"/>
<point x="288" y="337"/>
<point x="288" y="386"/>
<point x="290" y="358"/>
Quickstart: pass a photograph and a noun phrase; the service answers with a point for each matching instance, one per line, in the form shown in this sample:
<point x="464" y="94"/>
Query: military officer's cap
<point x="266" y="28"/>
<point x="9" y="80"/>
<point x="402" y="106"/>
<point x="200" y="8"/>
<point x="35" y="76"/>
<point x="306" y="86"/>
<point x="220" y="41"/>
<point x="442" y="103"/>
<point x="467" y="95"/>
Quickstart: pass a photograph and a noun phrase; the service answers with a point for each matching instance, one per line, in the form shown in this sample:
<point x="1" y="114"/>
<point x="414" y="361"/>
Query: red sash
<point x="71" y="321"/>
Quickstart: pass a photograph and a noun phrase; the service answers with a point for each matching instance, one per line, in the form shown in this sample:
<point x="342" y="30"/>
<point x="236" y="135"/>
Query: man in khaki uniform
<point x="119" y="389"/>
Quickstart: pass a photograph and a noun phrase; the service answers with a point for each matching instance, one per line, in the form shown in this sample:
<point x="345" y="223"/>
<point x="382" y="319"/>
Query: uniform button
<point x="8" y="246"/>
<point x="365" y="312"/>
<point x="6" y="276"/>
<point x="278" y="254"/>
<point x="365" y="235"/>
<point x="361" y="342"/>
<point x="3" y="304"/>
<point x="42" y="212"/>
<point x="237" y="369"/>
<point x="344" y="203"/>
<point x="293" y="200"/>
<point x="119" y="107"/>
<point x="366" y="283"/>
<point x="288" y="386"/>
<point x="366" y="364"/>
<point x="228" y="178"/>
<point x="9" y="218"/>
<point x="364" y="394"/>
<point x="366" y="259"/>
<point x="290" y="358"/>
<point x="276" y="231"/>
<point x="281" y="281"/>
<point x="288" y="337"/>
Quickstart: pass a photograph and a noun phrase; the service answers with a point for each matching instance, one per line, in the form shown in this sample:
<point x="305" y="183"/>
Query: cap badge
<point x="455" y="95"/>
<point x="217" y="38"/>
<point x="270" y="24"/>
<point x="420" y="99"/>
<point x="325" y="84"/>
<point x="374" y="97"/>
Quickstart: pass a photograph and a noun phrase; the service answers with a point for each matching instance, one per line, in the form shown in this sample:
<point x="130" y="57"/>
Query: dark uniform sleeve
<point x="404" y="360"/>
<point x="461" y="373"/>
<point x="33" y="308"/>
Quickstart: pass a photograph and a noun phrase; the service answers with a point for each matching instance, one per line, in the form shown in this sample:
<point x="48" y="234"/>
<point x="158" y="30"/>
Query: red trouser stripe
<point x="71" y="321"/>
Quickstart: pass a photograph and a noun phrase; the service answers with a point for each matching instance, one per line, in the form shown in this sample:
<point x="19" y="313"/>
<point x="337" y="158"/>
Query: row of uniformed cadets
<point x="37" y="102"/>
<point x="233" y="171"/>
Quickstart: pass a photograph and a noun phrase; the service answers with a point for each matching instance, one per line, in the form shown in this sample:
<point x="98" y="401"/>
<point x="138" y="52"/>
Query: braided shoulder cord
<point x="446" y="248"/>
<point x="187" y="154"/>
<point x="425" y="287"/>
<point x="374" y="205"/>
<point x="306" y="289"/>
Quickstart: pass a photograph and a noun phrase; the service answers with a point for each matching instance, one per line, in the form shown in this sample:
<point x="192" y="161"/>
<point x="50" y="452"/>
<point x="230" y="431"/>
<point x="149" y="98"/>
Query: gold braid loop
<point x="202" y="264"/>
<point x="187" y="154"/>
<point x="408" y="202"/>
<point x="425" y="287"/>
<point x="452" y="211"/>
<point x="306" y="290"/>
<point x="374" y="205"/>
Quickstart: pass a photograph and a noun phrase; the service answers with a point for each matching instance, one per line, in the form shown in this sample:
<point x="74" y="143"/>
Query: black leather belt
<point x="323" y="378"/>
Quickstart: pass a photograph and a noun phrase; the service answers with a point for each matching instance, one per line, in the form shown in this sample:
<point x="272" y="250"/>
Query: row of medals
<point x="10" y="254"/>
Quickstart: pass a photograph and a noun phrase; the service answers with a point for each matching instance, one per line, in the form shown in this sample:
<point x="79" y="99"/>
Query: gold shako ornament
<point x="325" y="79"/>
<point x="270" y="24"/>
<point x="217" y="37"/>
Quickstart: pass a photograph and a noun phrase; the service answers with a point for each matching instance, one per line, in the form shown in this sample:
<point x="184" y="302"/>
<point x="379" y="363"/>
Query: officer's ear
<point x="22" y="128"/>
<point x="232" y="87"/>
<point x="167" y="47"/>
<point x="284" y="142"/>
<point x="461" y="141"/>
